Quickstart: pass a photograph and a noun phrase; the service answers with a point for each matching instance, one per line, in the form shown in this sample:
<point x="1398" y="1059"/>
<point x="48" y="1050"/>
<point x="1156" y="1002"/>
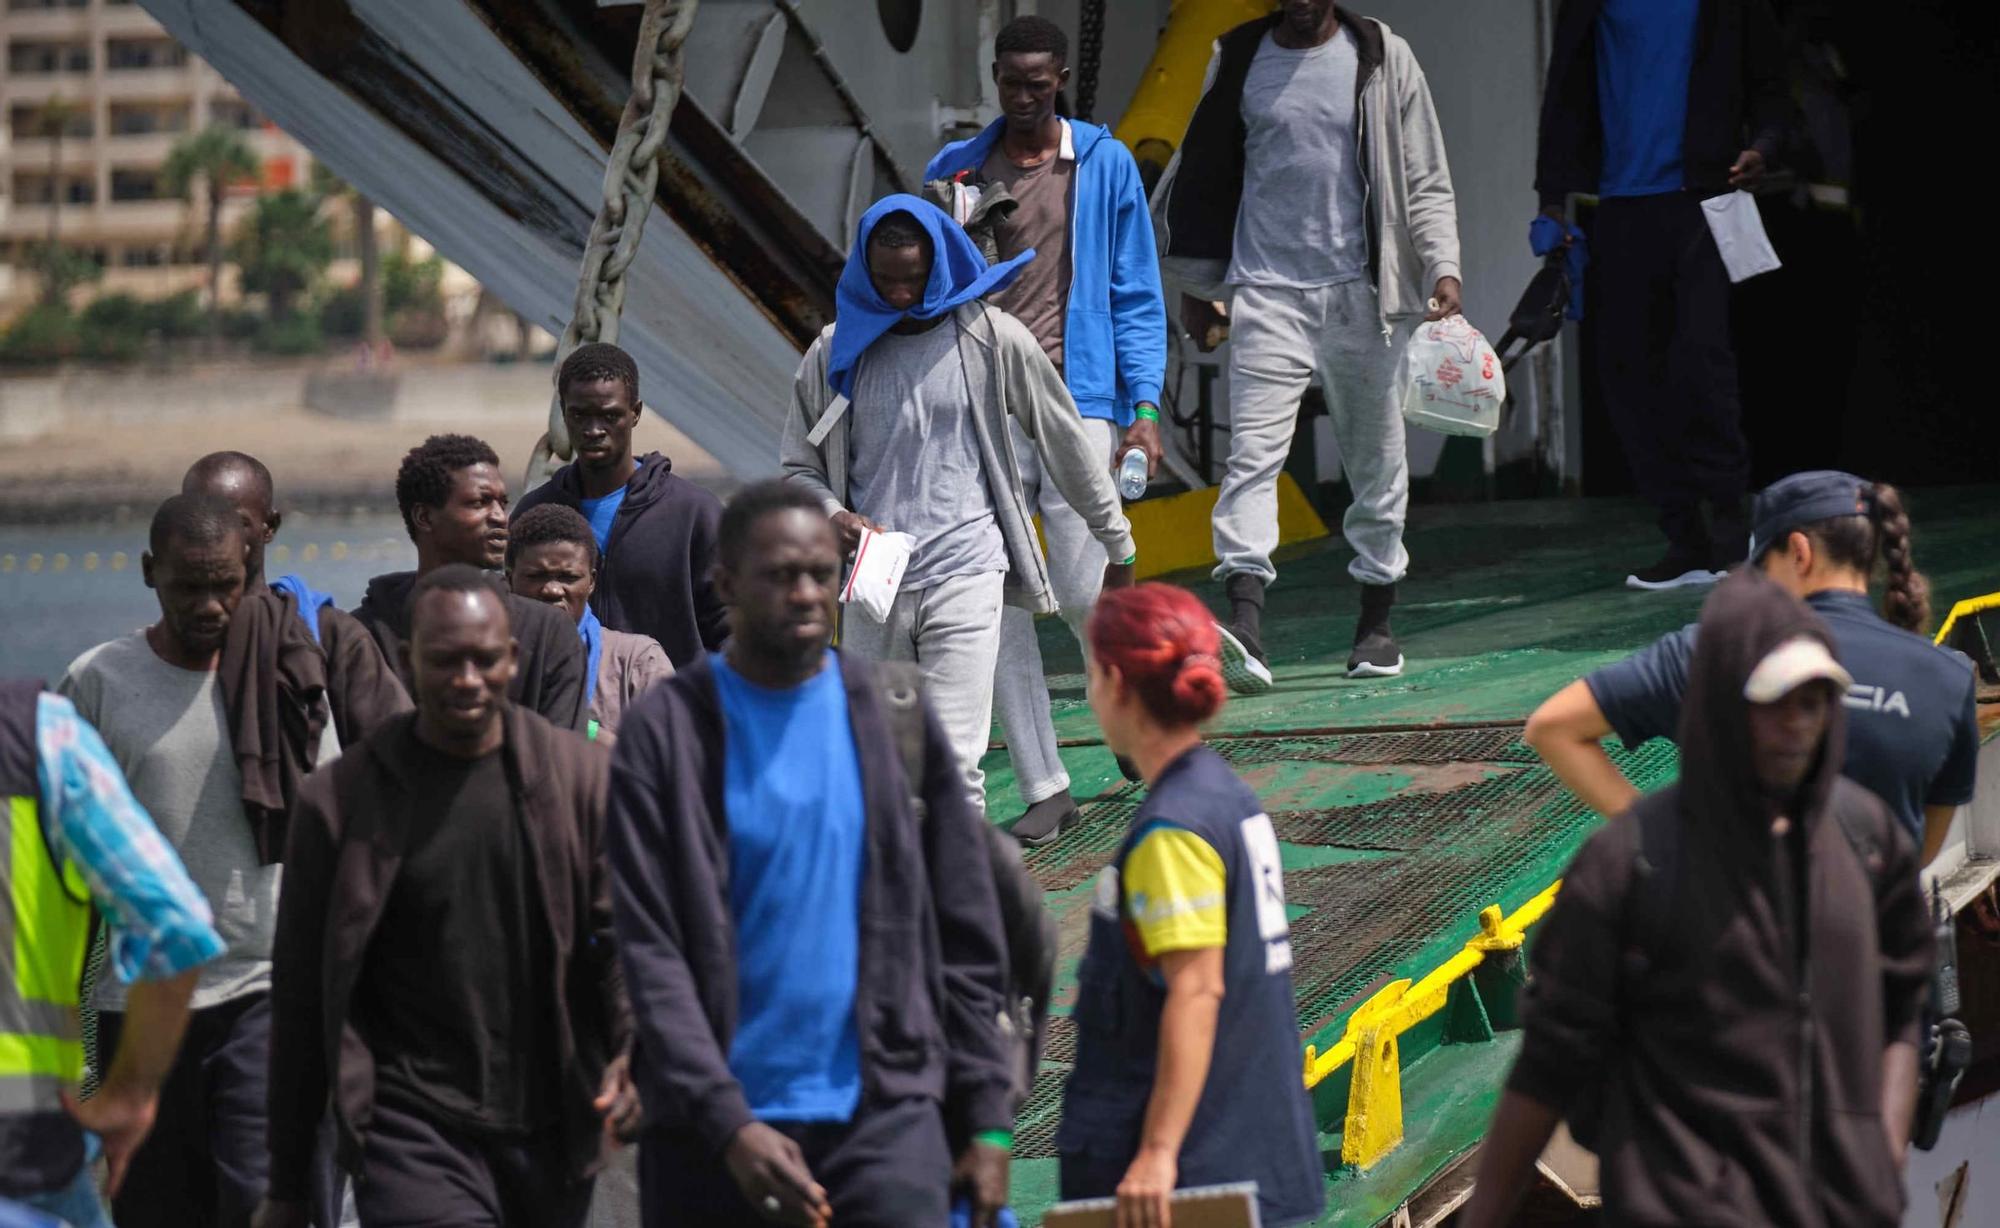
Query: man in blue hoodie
<point x="1091" y="298"/>
<point x="900" y="420"/>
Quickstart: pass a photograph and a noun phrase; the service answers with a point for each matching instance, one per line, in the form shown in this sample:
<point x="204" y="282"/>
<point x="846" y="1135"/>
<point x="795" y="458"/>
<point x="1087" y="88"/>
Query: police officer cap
<point x="1794" y="502"/>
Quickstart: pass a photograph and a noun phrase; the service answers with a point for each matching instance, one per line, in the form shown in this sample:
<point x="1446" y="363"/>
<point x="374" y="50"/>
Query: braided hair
<point x="1907" y="602"/>
<point x="1881" y="535"/>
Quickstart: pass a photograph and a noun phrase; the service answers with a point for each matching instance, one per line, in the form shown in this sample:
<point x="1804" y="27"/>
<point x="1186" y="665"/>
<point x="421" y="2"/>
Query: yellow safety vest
<point x="44" y="930"/>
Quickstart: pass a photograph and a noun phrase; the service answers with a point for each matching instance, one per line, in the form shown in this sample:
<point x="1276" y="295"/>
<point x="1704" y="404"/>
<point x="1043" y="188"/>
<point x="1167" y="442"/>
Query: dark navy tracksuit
<point x="1912" y="732"/>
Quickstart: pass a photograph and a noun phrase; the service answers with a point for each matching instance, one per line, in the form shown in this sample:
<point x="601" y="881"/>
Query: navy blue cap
<point x="1805" y="498"/>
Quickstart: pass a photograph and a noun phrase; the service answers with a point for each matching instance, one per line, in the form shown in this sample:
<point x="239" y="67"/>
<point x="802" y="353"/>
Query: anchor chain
<point x="631" y="175"/>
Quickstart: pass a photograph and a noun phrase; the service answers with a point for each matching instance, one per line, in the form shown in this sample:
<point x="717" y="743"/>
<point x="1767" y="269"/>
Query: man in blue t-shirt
<point x="1652" y="106"/>
<point x="814" y="961"/>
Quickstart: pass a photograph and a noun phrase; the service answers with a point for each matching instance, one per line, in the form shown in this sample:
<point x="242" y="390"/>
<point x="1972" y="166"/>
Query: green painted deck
<point x="1405" y="805"/>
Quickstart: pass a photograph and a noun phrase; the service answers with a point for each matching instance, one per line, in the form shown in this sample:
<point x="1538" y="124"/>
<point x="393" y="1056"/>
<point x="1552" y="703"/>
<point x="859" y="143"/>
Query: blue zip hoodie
<point x="1115" y="330"/>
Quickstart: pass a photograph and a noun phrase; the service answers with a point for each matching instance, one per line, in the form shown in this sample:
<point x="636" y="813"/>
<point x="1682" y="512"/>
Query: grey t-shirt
<point x="914" y="465"/>
<point x="1300" y="222"/>
<point x="166" y="728"/>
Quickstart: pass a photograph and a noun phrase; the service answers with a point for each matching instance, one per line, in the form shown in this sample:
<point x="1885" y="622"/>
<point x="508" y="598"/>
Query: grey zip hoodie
<point x="1411" y="210"/>
<point x="1001" y="356"/>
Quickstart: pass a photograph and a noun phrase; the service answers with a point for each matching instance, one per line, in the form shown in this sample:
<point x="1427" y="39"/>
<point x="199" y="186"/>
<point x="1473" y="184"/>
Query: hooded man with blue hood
<point x="1092" y="299"/>
<point x="900" y="422"/>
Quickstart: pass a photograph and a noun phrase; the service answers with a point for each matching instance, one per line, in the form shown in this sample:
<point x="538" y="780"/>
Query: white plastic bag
<point x="1739" y="235"/>
<point x="879" y="562"/>
<point x="964" y="199"/>
<point x="1452" y="379"/>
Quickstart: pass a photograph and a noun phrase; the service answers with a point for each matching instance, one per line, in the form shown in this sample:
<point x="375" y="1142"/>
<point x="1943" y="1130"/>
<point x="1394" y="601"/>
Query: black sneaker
<point x="1679" y="569"/>
<point x="1243" y="664"/>
<point x="1730" y="533"/>
<point x="1376" y="653"/>
<point x="1246" y="605"/>
<point x="1046" y="821"/>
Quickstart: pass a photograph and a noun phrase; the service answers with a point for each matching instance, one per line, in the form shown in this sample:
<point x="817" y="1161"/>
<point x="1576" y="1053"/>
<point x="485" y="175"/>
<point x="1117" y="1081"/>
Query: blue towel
<point x="592" y="632"/>
<point x="1545" y="234"/>
<point x="17" y="1215"/>
<point x="959" y="274"/>
<point x="311" y="600"/>
<point x="961" y="1215"/>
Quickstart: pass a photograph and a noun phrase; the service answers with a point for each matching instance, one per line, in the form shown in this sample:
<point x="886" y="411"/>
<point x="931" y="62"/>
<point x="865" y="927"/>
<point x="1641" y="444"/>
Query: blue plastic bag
<point x="961" y="1215"/>
<point x="1545" y="234"/>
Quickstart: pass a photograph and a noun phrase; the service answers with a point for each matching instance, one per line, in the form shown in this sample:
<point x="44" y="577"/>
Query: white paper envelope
<point x="1739" y="235"/>
<point x="879" y="562"/>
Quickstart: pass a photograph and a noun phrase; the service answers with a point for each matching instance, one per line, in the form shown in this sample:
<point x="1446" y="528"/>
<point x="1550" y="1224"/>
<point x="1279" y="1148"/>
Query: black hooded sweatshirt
<point x="548" y="678"/>
<point x="1732" y="1049"/>
<point x="653" y="579"/>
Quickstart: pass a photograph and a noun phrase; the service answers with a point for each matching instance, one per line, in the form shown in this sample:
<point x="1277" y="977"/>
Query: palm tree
<point x="330" y="186"/>
<point x="53" y="120"/>
<point x="282" y="247"/>
<point x="218" y="156"/>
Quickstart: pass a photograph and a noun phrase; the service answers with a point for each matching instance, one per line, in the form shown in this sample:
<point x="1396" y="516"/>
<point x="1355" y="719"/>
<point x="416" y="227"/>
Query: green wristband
<point x="1129" y="559"/>
<point x="1146" y="413"/>
<point x="1003" y="1139"/>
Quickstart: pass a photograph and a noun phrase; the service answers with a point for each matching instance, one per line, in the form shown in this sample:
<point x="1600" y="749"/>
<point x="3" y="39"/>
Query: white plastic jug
<point x="1452" y="380"/>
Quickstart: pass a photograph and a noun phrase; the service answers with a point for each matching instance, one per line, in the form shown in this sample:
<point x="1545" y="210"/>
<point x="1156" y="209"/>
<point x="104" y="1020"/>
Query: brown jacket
<point x="282" y="689"/>
<point x="626" y="668"/>
<point x="362" y="689"/>
<point x="346" y="846"/>
<point x="273" y="680"/>
<point x="1731" y="1064"/>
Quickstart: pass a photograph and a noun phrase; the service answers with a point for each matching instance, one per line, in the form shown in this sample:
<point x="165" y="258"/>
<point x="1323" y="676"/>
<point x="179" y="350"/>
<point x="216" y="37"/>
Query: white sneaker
<point x="1244" y="673"/>
<point x="1664" y="575"/>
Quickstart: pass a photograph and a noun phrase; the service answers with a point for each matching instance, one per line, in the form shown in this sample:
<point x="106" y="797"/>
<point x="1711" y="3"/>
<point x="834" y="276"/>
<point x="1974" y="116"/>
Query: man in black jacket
<point x="444" y="969"/>
<point x="1655" y="105"/>
<point x="1724" y="1002"/>
<point x="454" y="505"/>
<point x="655" y="531"/>
<point x="815" y="968"/>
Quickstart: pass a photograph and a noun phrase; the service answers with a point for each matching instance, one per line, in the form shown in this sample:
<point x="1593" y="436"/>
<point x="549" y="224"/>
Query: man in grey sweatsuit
<point x="921" y="445"/>
<point x="1319" y="203"/>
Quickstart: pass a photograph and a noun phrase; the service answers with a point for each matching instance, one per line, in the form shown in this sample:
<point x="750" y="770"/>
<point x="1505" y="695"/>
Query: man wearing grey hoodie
<point x="1322" y="209"/>
<point x="899" y="422"/>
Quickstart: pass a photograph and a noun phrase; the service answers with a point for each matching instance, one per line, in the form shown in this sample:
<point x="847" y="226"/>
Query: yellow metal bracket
<point x="1173" y="535"/>
<point x="1966" y="609"/>
<point x="1374" y="1123"/>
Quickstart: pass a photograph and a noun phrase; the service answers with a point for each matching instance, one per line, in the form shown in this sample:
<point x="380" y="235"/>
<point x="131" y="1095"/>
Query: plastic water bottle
<point x="1132" y="473"/>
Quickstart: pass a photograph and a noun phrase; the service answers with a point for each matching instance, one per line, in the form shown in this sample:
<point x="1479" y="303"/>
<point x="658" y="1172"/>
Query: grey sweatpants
<point x="1278" y="339"/>
<point x="952" y="631"/>
<point x="1076" y="572"/>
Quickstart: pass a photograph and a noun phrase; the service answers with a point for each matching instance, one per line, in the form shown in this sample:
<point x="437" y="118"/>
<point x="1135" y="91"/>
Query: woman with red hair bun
<point x="1187" y="1056"/>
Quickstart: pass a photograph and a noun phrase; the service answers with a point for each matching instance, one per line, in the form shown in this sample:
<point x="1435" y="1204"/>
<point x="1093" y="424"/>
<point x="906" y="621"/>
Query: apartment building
<point x="129" y="91"/>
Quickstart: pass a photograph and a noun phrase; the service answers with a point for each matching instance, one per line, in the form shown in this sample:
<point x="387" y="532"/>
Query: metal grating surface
<point x="1035" y="1125"/>
<point x="1493" y="827"/>
<point x="1500" y="744"/>
<point x="1091" y="846"/>
<point x="1060" y="1043"/>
